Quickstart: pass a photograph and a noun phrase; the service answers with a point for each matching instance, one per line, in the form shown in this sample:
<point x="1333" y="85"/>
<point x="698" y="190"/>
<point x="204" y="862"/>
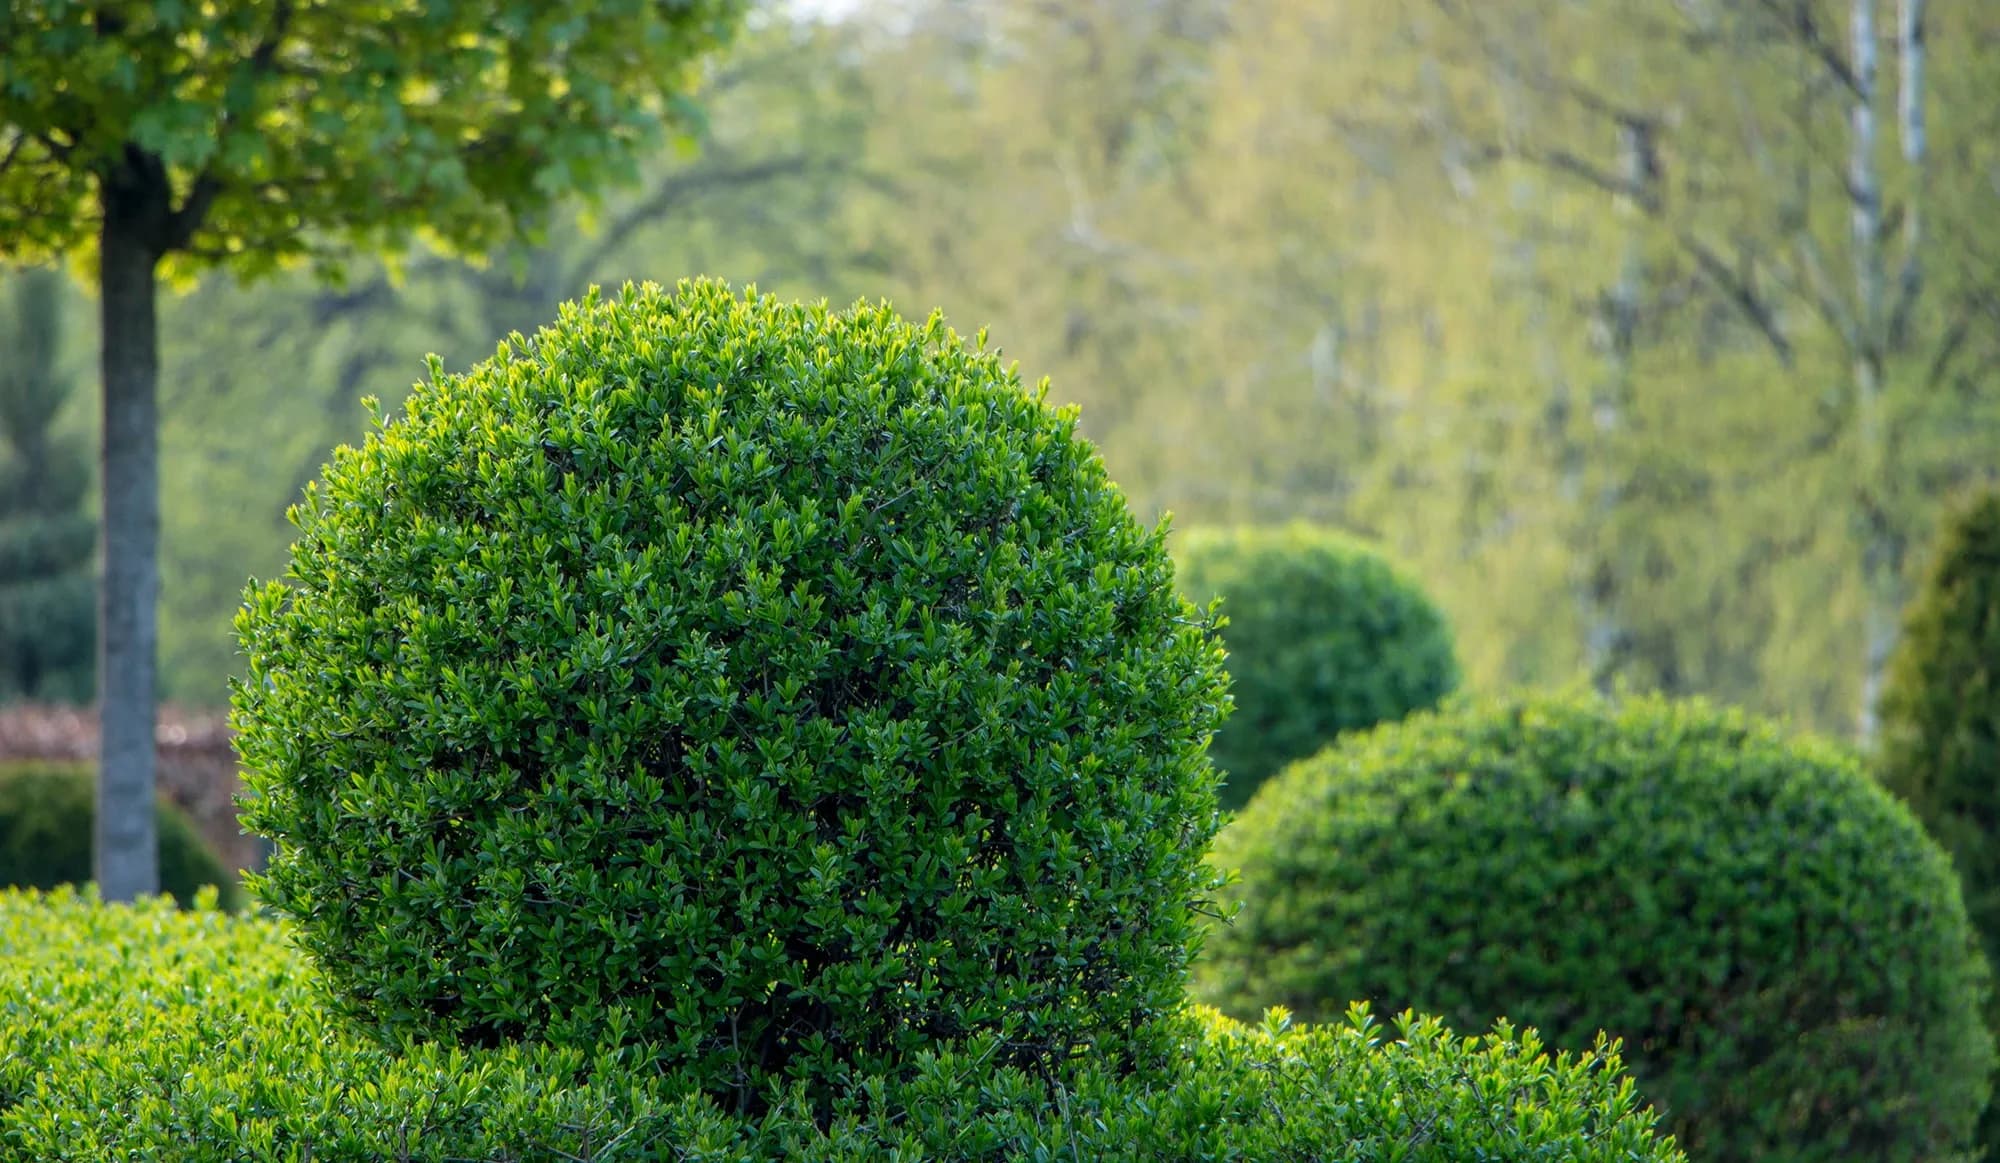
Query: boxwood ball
<point x="781" y="690"/>
<point x="1778" y="943"/>
<point x="1325" y="636"/>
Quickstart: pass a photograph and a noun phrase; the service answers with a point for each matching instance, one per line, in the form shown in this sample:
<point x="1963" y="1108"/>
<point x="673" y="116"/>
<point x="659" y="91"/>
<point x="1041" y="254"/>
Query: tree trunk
<point x="1607" y="640"/>
<point x="126" y="848"/>
<point x="1880" y="561"/>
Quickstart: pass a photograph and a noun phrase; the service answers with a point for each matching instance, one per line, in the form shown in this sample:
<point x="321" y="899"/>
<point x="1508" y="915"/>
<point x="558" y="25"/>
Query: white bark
<point x="1604" y="631"/>
<point x="1880" y="566"/>
<point x="1916" y="145"/>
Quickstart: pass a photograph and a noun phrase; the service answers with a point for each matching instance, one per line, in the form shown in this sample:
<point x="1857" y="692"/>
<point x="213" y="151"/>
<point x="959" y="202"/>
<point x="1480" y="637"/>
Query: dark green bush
<point x="46" y="814"/>
<point x="787" y="689"/>
<point x="149" y="1034"/>
<point x="1324" y="636"/>
<point x="1778" y="944"/>
<point x="1941" y="720"/>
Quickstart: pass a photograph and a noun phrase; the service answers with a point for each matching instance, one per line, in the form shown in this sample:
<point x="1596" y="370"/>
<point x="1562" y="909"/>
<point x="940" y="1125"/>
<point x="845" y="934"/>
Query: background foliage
<point x="45" y="814"/>
<point x="1369" y="265"/>
<point x="48" y="600"/>
<point x="1324" y="636"/>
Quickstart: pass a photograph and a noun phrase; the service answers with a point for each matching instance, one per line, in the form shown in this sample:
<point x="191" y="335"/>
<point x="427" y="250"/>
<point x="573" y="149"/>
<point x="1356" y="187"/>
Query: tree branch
<point x="1584" y="97"/>
<point x="1947" y="351"/>
<point x="1811" y="261"/>
<point x="668" y="194"/>
<point x="1805" y="32"/>
<point x="183" y="222"/>
<point x="13" y="151"/>
<point x="193" y="211"/>
<point x="1742" y="291"/>
<point x="1642" y="195"/>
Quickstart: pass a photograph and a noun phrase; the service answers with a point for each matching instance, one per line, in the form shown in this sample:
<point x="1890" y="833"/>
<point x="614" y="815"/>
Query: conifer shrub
<point x="1941" y="720"/>
<point x="144" y="1033"/>
<point x="1324" y="635"/>
<point x="785" y="692"/>
<point x="48" y="538"/>
<point x="1778" y="944"/>
<point x="46" y="816"/>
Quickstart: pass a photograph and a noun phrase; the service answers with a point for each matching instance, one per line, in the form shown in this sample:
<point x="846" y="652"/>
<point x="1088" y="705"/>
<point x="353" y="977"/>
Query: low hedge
<point x="140" y="1032"/>
<point x="46" y="815"/>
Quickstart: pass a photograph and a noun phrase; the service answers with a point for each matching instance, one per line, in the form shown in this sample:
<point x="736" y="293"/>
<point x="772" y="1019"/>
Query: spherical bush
<point x="46" y="816"/>
<point x="788" y="691"/>
<point x="1324" y="636"/>
<point x="1780" y="946"/>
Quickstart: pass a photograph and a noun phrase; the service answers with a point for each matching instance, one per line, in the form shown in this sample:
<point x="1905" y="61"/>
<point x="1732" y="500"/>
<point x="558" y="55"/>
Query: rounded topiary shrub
<point x="1324" y="636"/>
<point x="46" y="816"/>
<point x="1941" y="719"/>
<point x="1779" y="945"/>
<point x="787" y="690"/>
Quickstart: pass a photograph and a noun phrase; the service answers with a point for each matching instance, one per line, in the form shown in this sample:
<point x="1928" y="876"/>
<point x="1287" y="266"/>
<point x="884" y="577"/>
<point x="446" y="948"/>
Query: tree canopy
<point x="285" y="129"/>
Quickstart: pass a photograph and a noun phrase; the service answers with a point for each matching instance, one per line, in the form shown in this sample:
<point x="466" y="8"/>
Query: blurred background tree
<point x="47" y="534"/>
<point x="1568" y="307"/>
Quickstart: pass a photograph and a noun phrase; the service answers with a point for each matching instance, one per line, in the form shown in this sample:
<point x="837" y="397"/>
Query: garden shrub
<point x="1779" y="946"/>
<point x="1324" y="636"/>
<point x="787" y="690"/>
<point x="142" y="1033"/>
<point x="1941" y="720"/>
<point x="46" y="817"/>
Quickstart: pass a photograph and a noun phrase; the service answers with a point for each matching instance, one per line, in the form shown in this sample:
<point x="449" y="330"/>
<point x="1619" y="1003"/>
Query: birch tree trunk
<point x="1883" y="314"/>
<point x="1606" y="637"/>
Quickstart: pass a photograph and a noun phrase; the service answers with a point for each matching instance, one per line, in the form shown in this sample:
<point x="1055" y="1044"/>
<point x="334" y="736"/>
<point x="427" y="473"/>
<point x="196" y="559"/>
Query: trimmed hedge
<point x="46" y="816"/>
<point x="789" y="690"/>
<point x="1779" y="945"/>
<point x="1941" y="721"/>
<point x="134" y="1033"/>
<point x="1324" y="636"/>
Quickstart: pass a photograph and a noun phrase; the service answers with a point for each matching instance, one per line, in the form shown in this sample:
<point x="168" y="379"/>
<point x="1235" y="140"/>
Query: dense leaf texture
<point x="788" y="687"/>
<point x="1781" y="948"/>
<point x="45" y="813"/>
<point x="141" y="1033"/>
<point x="272" y="128"/>
<point x="1941" y="716"/>
<point x="1324" y="636"/>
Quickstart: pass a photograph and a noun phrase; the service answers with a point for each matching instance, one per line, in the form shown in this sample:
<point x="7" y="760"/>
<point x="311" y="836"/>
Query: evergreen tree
<point x="46" y="534"/>
<point x="1941" y="719"/>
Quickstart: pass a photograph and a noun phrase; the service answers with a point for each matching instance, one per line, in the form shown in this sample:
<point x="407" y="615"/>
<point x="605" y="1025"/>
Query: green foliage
<point x="1134" y="194"/>
<point x="45" y="820"/>
<point x="145" y="1033"/>
<point x="1778" y="944"/>
<point x="1941" y="718"/>
<point x="463" y="121"/>
<point x="238" y="443"/>
<point x="788" y="687"/>
<point x="47" y="538"/>
<point x="1324" y="636"/>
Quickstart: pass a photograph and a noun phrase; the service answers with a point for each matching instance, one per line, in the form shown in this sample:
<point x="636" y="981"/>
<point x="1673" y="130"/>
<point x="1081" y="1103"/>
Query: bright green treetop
<point x="281" y="126"/>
